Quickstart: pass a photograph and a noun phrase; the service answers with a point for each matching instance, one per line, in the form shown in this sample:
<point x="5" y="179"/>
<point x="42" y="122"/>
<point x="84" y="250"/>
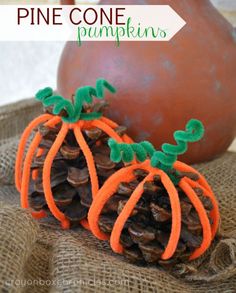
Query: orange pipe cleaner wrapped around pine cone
<point x="66" y="117"/>
<point x="169" y="211"/>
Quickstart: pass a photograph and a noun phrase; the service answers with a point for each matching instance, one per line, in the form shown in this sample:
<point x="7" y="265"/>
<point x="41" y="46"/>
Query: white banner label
<point x="88" y="23"/>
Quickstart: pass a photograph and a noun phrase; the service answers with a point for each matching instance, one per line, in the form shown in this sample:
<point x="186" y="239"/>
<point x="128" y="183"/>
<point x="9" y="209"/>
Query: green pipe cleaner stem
<point x="74" y="110"/>
<point x="128" y="152"/>
<point x="164" y="159"/>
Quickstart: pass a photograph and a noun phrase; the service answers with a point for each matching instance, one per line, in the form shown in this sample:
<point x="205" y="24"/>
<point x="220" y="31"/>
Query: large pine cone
<point x="146" y="232"/>
<point x="70" y="180"/>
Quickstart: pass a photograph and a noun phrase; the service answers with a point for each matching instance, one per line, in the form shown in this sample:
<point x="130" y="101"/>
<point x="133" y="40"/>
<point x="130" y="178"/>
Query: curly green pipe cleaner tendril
<point x="128" y="152"/>
<point x="164" y="159"/>
<point x="82" y="95"/>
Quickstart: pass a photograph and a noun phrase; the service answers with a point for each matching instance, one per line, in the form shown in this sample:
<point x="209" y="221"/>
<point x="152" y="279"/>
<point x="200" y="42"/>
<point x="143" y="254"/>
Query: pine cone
<point x="166" y="215"/>
<point x="70" y="181"/>
<point x="146" y="232"/>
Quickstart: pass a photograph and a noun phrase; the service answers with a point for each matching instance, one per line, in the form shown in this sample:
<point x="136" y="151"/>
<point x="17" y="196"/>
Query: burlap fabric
<point x="40" y="257"/>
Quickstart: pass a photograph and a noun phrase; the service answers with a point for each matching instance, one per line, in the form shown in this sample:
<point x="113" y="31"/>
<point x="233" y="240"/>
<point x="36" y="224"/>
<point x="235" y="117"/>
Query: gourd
<point x="193" y="75"/>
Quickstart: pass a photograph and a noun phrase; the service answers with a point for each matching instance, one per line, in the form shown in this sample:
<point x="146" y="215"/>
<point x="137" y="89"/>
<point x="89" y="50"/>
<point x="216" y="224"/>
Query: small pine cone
<point x="70" y="181"/>
<point x="146" y="232"/>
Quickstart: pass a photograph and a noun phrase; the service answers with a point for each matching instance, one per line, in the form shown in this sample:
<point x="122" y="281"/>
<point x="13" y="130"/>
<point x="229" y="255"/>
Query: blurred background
<point x="27" y="66"/>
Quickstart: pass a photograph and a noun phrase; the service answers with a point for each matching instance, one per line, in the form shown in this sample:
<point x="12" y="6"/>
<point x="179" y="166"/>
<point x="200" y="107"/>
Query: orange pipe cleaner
<point x="77" y="121"/>
<point x="167" y="160"/>
<point x="21" y="147"/>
